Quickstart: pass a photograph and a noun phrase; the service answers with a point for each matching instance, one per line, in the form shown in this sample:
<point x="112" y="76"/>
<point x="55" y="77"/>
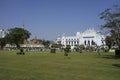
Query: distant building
<point x="90" y="37"/>
<point x="30" y="45"/>
<point x="2" y="33"/>
<point x="33" y="44"/>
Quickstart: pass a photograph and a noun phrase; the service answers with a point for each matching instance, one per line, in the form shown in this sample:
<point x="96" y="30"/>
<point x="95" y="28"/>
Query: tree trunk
<point x="117" y="52"/>
<point x="18" y="46"/>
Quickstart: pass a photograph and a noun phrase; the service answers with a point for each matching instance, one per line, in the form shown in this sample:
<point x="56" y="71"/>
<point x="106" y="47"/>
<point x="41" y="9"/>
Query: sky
<point x="47" y="19"/>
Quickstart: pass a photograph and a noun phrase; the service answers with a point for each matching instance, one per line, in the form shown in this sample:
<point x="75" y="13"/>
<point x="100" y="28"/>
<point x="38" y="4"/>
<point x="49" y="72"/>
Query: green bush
<point x="81" y="48"/>
<point x="21" y="52"/>
<point x="90" y="48"/>
<point x="67" y="49"/>
<point x="66" y="54"/>
<point x="77" y="49"/>
<point x="53" y="50"/>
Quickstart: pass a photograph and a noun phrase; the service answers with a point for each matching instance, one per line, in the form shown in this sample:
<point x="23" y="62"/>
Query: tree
<point x="2" y="42"/>
<point x="17" y="36"/>
<point x="81" y="47"/>
<point x="67" y="50"/>
<point x="46" y="43"/>
<point x="76" y="48"/>
<point x="68" y="47"/>
<point x="108" y="41"/>
<point x="111" y="17"/>
<point x="53" y="47"/>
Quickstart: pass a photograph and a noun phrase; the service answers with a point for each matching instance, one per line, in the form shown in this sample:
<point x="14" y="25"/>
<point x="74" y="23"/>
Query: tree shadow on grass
<point x="110" y="57"/>
<point x="116" y="65"/>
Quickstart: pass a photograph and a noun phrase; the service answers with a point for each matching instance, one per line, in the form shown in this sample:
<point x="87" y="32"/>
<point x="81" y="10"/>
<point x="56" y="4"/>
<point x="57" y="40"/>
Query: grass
<point x="48" y="66"/>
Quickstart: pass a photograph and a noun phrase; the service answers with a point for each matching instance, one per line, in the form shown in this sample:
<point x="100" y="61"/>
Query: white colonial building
<point x="90" y="37"/>
<point x="2" y="33"/>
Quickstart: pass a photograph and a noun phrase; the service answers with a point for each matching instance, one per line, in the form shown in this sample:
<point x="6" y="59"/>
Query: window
<point x="85" y="42"/>
<point x="72" y="43"/>
<point x="77" y="42"/>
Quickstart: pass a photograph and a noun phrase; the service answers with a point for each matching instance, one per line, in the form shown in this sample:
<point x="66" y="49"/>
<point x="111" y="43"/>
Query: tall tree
<point x="55" y="45"/>
<point x="2" y="42"/>
<point x="111" y="17"/>
<point x="17" y="36"/>
<point x="109" y="41"/>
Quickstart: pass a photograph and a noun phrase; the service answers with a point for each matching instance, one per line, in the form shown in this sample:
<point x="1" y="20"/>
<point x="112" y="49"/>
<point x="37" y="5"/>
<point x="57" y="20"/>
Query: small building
<point x="89" y="37"/>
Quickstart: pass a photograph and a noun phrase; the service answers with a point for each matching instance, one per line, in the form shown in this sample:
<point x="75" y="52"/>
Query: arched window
<point x="88" y="42"/>
<point x="72" y="43"/>
<point x="77" y="42"/>
<point x="93" y="43"/>
<point x="85" y="42"/>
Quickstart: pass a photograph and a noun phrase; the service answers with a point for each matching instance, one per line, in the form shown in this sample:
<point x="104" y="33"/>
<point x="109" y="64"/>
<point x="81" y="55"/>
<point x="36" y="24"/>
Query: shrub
<point x="90" y="48"/>
<point x="77" y="49"/>
<point x="67" y="49"/>
<point x="53" y="50"/>
<point x="66" y="52"/>
<point x="21" y="52"/>
<point x="81" y="48"/>
<point x="117" y="52"/>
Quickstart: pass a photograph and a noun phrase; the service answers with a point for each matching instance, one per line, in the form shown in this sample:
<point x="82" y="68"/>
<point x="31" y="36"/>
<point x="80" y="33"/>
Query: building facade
<point x="90" y="37"/>
<point x="2" y="33"/>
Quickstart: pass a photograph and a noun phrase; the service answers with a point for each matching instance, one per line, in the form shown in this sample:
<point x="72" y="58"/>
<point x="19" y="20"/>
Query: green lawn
<point x="48" y="66"/>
